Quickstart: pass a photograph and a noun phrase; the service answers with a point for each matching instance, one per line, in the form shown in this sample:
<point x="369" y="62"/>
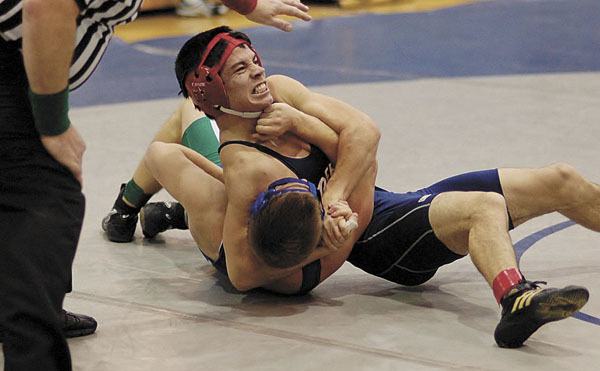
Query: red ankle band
<point x="504" y="281"/>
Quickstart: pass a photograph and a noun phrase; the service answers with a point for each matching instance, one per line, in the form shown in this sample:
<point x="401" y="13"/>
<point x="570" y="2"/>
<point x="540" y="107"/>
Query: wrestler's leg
<point x="475" y="223"/>
<point x="202" y="196"/>
<point x="121" y="221"/>
<point x="170" y="132"/>
<point x="173" y="131"/>
<point x="559" y="187"/>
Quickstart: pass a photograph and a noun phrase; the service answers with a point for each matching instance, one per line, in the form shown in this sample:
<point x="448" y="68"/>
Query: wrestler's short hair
<point x="191" y="52"/>
<point x="286" y="229"/>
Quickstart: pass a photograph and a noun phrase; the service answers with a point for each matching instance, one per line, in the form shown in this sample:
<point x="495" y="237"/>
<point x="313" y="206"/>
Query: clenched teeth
<point x="260" y="88"/>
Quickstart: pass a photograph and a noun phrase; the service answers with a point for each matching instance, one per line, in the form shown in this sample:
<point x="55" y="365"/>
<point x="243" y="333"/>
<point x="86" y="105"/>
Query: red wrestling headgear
<point x="205" y="86"/>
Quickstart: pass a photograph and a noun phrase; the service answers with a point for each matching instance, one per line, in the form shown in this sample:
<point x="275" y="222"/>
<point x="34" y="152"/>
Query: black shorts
<point x="399" y="244"/>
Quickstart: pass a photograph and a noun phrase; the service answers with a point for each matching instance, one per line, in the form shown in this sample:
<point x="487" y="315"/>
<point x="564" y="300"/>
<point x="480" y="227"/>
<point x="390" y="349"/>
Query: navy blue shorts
<point x="399" y="244"/>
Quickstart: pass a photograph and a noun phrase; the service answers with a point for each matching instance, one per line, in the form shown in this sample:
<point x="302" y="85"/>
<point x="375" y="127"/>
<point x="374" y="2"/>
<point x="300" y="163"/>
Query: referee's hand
<point x="67" y="148"/>
<point x="268" y="11"/>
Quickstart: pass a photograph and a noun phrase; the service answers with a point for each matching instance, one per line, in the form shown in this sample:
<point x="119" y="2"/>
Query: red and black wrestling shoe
<point x="527" y="307"/>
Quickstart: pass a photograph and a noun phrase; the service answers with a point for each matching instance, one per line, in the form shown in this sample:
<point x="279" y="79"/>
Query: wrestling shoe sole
<point x="549" y="307"/>
<point x="147" y="231"/>
<point x="562" y="304"/>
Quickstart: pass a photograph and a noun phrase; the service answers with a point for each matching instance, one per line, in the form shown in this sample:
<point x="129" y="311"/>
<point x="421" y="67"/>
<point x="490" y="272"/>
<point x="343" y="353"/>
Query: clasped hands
<point x="338" y="224"/>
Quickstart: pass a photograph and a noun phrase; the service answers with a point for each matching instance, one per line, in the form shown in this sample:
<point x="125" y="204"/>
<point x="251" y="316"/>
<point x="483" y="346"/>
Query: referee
<point x="47" y="48"/>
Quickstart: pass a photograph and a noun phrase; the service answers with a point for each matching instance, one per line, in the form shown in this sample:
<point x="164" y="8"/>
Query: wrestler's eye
<point x="240" y="69"/>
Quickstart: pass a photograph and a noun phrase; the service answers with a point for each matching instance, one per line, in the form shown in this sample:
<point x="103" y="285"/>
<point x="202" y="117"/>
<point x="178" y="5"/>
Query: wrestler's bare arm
<point x="244" y="268"/>
<point x="358" y="134"/>
<point x="361" y="136"/>
<point x="202" y="162"/>
<point x="354" y="143"/>
<point x="281" y="118"/>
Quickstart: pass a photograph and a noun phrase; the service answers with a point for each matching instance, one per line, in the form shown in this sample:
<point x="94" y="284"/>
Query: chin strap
<point x="246" y="115"/>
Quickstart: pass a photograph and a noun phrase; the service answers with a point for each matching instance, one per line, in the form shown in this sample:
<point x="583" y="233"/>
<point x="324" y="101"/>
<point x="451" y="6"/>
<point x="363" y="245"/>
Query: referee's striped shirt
<point x="95" y="26"/>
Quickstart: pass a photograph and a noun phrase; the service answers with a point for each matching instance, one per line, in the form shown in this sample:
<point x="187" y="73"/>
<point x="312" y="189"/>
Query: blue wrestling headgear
<point x="264" y="197"/>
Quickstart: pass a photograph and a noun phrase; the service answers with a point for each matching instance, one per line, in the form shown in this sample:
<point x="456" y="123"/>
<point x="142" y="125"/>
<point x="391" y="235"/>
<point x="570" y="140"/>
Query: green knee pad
<point x="201" y="137"/>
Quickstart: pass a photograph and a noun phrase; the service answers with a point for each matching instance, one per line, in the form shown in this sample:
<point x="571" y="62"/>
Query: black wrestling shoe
<point x="157" y="217"/>
<point x="527" y="307"/>
<point x="119" y="225"/>
<point x="76" y="325"/>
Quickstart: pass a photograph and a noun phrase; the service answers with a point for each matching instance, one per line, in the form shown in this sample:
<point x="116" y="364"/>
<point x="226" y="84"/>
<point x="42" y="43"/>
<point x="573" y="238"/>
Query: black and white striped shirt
<point x="95" y="26"/>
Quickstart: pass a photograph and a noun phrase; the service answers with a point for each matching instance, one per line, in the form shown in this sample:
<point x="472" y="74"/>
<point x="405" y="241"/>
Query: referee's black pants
<point x="41" y="214"/>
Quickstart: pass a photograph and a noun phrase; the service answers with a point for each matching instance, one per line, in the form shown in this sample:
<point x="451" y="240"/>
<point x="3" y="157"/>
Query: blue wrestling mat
<point x="485" y="38"/>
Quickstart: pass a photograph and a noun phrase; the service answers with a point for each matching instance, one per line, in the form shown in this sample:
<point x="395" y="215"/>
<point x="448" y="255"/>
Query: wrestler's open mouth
<point x="260" y="88"/>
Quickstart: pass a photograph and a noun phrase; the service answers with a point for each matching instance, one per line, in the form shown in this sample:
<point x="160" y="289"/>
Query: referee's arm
<point x="49" y="29"/>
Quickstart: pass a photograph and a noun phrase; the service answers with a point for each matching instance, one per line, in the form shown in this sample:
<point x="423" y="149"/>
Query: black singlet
<point x="312" y="168"/>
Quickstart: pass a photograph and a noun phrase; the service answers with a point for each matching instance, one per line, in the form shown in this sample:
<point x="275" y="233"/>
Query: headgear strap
<point x="264" y="197"/>
<point x="232" y="43"/>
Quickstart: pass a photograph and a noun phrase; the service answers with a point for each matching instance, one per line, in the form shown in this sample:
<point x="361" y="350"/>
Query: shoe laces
<point x="533" y="284"/>
<point x="523" y="286"/>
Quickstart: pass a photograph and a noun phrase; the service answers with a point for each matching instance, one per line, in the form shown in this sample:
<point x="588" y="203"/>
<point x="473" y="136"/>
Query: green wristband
<point x="50" y="112"/>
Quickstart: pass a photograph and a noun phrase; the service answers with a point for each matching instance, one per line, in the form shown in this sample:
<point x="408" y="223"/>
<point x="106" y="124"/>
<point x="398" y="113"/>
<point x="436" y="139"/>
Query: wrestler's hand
<point x="346" y="218"/>
<point x="331" y="197"/>
<point x="276" y="120"/>
<point x="67" y="148"/>
<point x="339" y="223"/>
<point x="267" y="11"/>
